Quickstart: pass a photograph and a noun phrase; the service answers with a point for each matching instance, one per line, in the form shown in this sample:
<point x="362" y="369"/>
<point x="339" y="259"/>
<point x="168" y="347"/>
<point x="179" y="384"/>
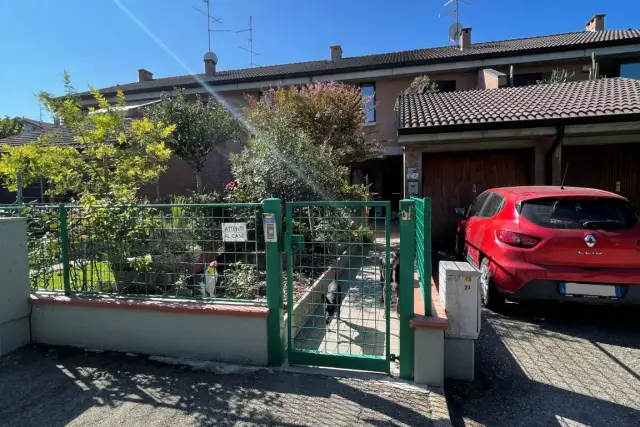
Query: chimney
<point x="596" y="23"/>
<point x="144" y="75"/>
<point x="465" y="38"/>
<point x="56" y="122"/>
<point x="336" y="52"/>
<point x="210" y="61"/>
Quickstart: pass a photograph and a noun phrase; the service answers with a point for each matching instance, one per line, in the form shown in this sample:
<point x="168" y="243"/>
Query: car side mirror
<point x="460" y="212"/>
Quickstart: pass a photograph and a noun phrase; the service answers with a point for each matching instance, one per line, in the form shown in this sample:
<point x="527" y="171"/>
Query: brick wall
<point x="179" y="179"/>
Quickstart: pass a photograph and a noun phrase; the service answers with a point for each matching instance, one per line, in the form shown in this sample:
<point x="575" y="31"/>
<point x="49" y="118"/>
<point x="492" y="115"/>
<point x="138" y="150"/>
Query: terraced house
<point x="490" y="125"/>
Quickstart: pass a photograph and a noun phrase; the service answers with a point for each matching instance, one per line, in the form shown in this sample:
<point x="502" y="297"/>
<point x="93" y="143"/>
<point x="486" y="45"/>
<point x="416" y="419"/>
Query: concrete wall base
<point x="153" y="328"/>
<point x="14" y="285"/>
<point x="13" y="335"/>
<point x="429" y="357"/>
<point x="459" y="359"/>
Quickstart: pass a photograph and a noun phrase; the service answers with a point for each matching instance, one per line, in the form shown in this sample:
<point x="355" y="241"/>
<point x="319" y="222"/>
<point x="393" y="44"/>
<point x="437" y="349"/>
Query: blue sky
<point x="100" y="44"/>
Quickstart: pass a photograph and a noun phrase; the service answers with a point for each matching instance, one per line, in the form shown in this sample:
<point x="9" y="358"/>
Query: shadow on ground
<point x="59" y="387"/>
<point x="550" y="365"/>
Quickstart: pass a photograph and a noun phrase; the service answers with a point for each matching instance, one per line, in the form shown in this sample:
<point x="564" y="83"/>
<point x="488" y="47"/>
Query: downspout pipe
<point x="557" y="141"/>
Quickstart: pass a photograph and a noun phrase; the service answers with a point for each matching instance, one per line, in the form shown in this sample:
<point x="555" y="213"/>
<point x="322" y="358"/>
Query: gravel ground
<point x="64" y="387"/>
<point x="553" y="365"/>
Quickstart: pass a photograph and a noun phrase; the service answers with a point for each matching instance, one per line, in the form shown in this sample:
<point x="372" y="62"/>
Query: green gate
<point x="342" y="242"/>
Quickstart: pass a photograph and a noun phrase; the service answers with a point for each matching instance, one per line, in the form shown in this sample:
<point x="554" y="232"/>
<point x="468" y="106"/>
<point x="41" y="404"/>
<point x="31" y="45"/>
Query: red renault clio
<point x="552" y="243"/>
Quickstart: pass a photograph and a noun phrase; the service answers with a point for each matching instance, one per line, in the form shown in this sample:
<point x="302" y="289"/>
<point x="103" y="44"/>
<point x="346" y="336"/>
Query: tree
<point x="330" y="114"/>
<point x="113" y="157"/>
<point x="200" y="126"/>
<point x="421" y="84"/>
<point x="282" y="161"/>
<point x="10" y="126"/>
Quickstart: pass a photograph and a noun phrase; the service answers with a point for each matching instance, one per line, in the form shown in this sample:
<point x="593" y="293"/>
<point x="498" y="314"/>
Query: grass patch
<point x="97" y="276"/>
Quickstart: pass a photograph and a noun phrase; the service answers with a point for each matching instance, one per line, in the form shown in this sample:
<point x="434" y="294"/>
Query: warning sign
<point x="234" y="232"/>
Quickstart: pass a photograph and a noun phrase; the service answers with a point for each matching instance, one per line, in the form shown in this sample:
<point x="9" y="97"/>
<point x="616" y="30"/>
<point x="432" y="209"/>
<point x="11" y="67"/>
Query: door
<point x="454" y="180"/>
<point x="611" y="167"/>
<point x="392" y="181"/>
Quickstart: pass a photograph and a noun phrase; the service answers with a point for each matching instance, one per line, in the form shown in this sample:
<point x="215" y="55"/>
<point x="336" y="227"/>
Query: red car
<point x="552" y="243"/>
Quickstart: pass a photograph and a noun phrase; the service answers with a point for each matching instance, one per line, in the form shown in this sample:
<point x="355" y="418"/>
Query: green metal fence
<point x="340" y="241"/>
<point x="423" y="249"/>
<point x="223" y="252"/>
<point x="169" y="251"/>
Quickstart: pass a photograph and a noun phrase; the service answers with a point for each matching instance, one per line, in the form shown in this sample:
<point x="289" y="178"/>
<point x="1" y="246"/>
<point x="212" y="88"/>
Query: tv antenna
<point x="210" y="20"/>
<point x="252" y="53"/>
<point x="456" y="27"/>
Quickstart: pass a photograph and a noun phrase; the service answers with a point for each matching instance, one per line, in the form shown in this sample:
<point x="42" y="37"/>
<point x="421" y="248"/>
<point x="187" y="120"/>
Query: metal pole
<point x="19" y="196"/>
<point x="407" y="260"/>
<point x="64" y="247"/>
<point x="275" y="302"/>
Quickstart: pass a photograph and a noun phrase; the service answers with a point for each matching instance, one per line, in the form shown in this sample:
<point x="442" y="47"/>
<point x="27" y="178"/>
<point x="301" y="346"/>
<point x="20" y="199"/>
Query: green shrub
<point x="240" y="281"/>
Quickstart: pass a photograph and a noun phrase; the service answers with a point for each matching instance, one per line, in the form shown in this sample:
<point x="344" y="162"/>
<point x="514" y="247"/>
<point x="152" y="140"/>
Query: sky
<point x="105" y="42"/>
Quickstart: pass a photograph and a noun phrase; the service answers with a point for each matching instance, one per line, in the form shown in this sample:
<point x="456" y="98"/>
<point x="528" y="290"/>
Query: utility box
<point x="460" y="296"/>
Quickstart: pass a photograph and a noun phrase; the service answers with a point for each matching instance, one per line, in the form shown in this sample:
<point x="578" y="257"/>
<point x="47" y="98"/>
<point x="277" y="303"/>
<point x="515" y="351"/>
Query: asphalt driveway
<point x="553" y="365"/>
<point x="65" y="387"/>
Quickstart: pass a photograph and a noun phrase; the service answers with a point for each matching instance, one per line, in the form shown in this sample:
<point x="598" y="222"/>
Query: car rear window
<point x="571" y="213"/>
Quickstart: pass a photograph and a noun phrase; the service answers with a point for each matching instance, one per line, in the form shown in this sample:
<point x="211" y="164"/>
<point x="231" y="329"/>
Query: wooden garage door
<point x="453" y="180"/>
<point x="602" y="166"/>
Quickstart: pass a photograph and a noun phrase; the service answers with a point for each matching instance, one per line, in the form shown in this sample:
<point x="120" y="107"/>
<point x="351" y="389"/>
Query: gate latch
<point x="297" y="242"/>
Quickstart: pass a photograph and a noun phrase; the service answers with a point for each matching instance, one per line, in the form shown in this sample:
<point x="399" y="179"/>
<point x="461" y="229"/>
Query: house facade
<point x="465" y="67"/>
<point x="580" y="133"/>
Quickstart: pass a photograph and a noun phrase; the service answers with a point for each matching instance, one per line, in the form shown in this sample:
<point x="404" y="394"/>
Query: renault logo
<point x="590" y="240"/>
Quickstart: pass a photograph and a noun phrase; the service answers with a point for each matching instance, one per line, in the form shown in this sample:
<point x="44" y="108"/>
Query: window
<point x="630" y="71"/>
<point x="527" y="79"/>
<point x="446" y="85"/>
<point x="476" y="206"/>
<point x="603" y="213"/>
<point x="369" y="91"/>
<point x="494" y="204"/>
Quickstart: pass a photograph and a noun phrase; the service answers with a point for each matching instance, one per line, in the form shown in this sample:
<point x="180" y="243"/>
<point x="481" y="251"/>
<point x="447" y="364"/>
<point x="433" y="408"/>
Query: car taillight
<point x="516" y="239"/>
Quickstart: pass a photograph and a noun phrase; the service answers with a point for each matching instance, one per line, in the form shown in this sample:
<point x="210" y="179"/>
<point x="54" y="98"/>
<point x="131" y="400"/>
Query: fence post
<point x="407" y="261"/>
<point x="426" y="232"/>
<point x="275" y="300"/>
<point x="64" y="247"/>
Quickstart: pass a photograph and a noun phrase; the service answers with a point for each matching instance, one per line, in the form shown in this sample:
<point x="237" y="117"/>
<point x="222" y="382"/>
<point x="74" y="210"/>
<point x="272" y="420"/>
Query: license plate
<point x="590" y="290"/>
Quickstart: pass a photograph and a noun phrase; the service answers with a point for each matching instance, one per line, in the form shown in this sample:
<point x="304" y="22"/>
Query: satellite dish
<point x="454" y="31"/>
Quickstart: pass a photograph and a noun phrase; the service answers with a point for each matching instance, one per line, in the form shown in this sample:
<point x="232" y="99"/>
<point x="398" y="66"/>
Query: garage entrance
<point x="605" y="167"/>
<point x="453" y="180"/>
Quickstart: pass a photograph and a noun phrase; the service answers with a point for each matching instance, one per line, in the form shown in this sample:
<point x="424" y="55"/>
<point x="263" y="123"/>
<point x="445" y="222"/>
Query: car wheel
<point x="488" y="293"/>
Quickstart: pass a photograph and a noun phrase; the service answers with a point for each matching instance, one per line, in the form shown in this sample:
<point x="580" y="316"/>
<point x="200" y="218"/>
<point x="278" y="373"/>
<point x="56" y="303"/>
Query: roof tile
<point x="64" y="136"/>
<point x="602" y="97"/>
<point x="578" y="40"/>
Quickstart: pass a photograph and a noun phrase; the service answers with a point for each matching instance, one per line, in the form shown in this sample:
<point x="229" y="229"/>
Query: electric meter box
<point x="460" y="295"/>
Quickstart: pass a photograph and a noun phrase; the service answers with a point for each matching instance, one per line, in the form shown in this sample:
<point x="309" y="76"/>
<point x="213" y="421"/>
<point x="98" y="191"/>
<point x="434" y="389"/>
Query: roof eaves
<point x="517" y="124"/>
<point x="451" y="59"/>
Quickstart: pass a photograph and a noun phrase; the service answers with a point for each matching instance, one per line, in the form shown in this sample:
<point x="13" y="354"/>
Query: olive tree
<point x="200" y="126"/>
